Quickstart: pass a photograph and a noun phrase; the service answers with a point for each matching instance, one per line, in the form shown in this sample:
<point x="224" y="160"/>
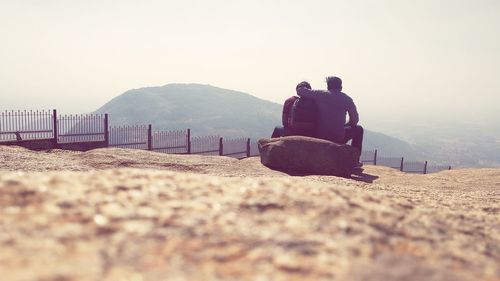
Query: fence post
<point x="54" y="125"/>
<point x="221" y="148"/>
<point x="402" y="161"/>
<point x="375" y="158"/>
<point x="106" y="129"/>
<point x="248" y="147"/>
<point x="150" y="137"/>
<point x="189" y="141"/>
<point x="425" y="168"/>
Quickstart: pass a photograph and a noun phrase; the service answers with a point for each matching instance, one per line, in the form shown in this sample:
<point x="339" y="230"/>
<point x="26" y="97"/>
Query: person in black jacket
<point x="286" y="129"/>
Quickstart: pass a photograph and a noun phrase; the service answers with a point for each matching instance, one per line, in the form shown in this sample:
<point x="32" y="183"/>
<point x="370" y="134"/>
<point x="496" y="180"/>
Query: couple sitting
<point x="332" y="107"/>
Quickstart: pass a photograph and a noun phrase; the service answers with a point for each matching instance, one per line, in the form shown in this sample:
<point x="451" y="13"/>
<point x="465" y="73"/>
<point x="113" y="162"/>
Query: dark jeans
<point x="280" y="131"/>
<point x="356" y="135"/>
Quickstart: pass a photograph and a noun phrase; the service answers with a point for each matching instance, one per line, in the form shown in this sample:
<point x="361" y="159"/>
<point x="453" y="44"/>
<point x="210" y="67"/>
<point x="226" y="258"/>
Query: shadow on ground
<point x="364" y="177"/>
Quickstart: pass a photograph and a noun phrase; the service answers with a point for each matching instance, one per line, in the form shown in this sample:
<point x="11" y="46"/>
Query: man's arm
<point x="353" y="113"/>
<point x="308" y="93"/>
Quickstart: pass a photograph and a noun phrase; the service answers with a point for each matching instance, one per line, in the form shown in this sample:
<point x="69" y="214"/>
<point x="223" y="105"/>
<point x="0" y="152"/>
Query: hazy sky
<point x="400" y="56"/>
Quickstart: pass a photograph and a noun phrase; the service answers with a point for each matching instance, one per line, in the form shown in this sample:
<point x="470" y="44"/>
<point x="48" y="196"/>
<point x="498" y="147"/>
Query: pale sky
<point x="405" y="57"/>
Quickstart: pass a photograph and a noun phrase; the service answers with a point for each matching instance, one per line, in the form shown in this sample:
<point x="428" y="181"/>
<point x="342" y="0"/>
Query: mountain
<point x="210" y="110"/>
<point x="207" y="110"/>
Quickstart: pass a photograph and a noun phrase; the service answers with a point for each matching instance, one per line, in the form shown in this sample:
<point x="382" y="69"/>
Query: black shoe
<point x="358" y="165"/>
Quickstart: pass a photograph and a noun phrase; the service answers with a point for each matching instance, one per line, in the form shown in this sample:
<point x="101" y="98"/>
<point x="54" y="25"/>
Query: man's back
<point x="332" y="108"/>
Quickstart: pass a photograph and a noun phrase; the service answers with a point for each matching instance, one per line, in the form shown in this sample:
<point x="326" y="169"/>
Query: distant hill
<point x="207" y="110"/>
<point x="210" y="110"/>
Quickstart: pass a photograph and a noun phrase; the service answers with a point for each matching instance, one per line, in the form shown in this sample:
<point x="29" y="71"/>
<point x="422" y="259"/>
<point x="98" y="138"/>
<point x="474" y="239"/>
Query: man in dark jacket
<point x="286" y="115"/>
<point x="333" y="106"/>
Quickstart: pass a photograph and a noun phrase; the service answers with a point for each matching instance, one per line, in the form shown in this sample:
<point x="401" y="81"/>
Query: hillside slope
<point x="83" y="216"/>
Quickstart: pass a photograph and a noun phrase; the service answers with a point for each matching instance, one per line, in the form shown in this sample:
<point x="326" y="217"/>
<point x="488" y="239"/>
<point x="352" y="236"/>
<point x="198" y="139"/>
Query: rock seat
<point x="306" y="155"/>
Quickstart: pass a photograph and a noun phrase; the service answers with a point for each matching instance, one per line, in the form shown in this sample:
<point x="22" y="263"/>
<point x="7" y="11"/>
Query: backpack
<point x="286" y="117"/>
<point x="304" y="117"/>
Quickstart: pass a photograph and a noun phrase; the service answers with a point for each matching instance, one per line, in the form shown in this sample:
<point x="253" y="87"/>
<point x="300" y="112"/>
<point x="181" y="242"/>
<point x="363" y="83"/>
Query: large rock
<point x="305" y="155"/>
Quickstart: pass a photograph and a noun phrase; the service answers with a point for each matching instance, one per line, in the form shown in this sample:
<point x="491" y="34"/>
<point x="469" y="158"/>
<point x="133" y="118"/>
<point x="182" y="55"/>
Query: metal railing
<point x="82" y="128"/>
<point x="239" y="148"/>
<point x="369" y="157"/>
<point x="134" y="137"/>
<point x="206" y="145"/>
<point x="417" y="167"/>
<point x="21" y="126"/>
<point x="175" y="142"/>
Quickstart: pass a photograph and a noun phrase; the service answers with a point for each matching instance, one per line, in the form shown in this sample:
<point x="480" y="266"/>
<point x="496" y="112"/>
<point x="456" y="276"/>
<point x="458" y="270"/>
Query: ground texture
<point x="113" y="214"/>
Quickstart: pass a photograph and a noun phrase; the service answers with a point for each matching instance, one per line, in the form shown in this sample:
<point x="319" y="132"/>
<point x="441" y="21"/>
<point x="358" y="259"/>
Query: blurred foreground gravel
<point x="82" y="216"/>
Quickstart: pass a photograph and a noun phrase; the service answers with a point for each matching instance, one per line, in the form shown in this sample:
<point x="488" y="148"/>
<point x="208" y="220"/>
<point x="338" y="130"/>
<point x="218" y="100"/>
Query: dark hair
<point x="303" y="84"/>
<point x="333" y="83"/>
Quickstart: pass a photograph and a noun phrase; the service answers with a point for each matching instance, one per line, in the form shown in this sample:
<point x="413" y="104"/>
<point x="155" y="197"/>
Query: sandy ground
<point x="114" y="214"/>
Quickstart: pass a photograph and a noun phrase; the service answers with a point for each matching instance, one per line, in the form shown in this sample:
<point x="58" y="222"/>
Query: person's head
<point x="303" y="84"/>
<point x="334" y="83"/>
